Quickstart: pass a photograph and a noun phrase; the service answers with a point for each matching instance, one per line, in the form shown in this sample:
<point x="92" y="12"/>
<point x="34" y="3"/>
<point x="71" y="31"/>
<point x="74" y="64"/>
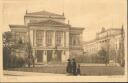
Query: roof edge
<point x="13" y="25"/>
<point x="78" y="28"/>
<point x="109" y="30"/>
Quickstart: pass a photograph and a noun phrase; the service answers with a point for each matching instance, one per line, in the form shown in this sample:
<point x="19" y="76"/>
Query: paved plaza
<point x="22" y="73"/>
<point x="60" y="70"/>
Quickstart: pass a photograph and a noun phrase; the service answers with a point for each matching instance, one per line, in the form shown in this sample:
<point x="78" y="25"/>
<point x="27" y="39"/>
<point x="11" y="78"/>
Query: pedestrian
<point x="73" y="67"/>
<point x="78" y="69"/>
<point x="68" y="69"/>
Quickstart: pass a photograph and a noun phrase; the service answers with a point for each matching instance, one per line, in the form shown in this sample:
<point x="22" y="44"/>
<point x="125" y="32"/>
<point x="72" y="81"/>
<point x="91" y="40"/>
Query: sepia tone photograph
<point x="70" y="38"/>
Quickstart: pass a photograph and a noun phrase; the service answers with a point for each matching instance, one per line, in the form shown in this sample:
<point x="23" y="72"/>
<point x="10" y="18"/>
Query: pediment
<point x="49" y="23"/>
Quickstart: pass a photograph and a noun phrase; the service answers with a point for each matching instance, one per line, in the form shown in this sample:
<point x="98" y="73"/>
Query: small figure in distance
<point x="69" y="67"/>
<point x="78" y="69"/>
<point x="74" y="67"/>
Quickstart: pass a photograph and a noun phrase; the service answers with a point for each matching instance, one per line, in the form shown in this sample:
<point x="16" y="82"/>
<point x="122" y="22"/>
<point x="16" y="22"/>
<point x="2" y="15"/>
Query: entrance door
<point x="59" y="55"/>
<point x="39" y="56"/>
<point x="49" y="55"/>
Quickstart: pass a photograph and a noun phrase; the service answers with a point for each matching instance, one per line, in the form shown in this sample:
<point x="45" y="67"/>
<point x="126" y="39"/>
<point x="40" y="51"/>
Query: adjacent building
<point x="50" y="36"/>
<point x="111" y="40"/>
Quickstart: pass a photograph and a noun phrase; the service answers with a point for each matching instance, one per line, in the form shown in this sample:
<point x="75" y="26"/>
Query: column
<point x="34" y="37"/>
<point x="53" y="54"/>
<point x="80" y="38"/>
<point x="31" y="37"/>
<point x="34" y="55"/>
<point x="63" y="56"/>
<point x="44" y="56"/>
<point x="67" y="44"/>
<point x="54" y="39"/>
<point x="63" y="39"/>
<point x="67" y="39"/>
<point x="44" y="39"/>
<point x="26" y="37"/>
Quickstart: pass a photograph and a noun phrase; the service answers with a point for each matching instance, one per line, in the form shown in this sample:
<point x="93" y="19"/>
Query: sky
<point x="89" y="14"/>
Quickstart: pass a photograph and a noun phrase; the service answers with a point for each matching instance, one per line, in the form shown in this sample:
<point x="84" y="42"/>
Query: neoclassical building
<point x="50" y="36"/>
<point x="112" y="40"/>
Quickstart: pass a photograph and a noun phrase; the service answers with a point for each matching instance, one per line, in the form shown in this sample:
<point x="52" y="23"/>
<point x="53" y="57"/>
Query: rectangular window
<point x="59" y="36"/>
<point x="39" y="37"/>
<point x="49" y="36"/>
<point x="23" y="36"/>
<point x="75" y="39"/>
<point x="20" y="35"/>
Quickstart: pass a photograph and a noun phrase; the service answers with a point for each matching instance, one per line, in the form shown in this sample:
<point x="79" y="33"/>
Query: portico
<point x="49" y="43"/>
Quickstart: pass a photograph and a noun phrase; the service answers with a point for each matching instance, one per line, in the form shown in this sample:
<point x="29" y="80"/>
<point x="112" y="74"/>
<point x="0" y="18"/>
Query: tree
<point x="7" y="39"/>
<point x="121" y="54"/>
<point x="30" y="57"/>
<point x="10" y="46"/>
<point x="104" y="55"/>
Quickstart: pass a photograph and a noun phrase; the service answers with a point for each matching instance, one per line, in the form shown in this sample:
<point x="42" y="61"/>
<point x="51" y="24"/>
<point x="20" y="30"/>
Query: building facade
<point x="50" y="36"/>
<point x="111" y="40"/>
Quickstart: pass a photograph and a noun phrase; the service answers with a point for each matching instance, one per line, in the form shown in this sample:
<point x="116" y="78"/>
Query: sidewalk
<point x="81" y="64"/>
<point x="21" y="73"/>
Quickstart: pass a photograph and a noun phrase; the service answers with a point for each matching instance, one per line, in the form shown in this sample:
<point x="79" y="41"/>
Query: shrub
<point x="90" y="59"/>
<point x="11" y="60"/>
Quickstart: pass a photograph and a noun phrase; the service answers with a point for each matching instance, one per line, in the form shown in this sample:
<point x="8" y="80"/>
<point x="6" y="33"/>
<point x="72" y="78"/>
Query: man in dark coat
<point x="69" y="69"/>
<point x="73" y="67"/>
<point x="78" y="69"/>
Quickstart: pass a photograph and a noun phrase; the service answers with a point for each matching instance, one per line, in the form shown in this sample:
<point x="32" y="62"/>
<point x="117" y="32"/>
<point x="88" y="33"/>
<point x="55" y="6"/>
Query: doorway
<point x="49" y="55"/>
<point x="59" y="55"/>
<point x="39" y="56"/>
